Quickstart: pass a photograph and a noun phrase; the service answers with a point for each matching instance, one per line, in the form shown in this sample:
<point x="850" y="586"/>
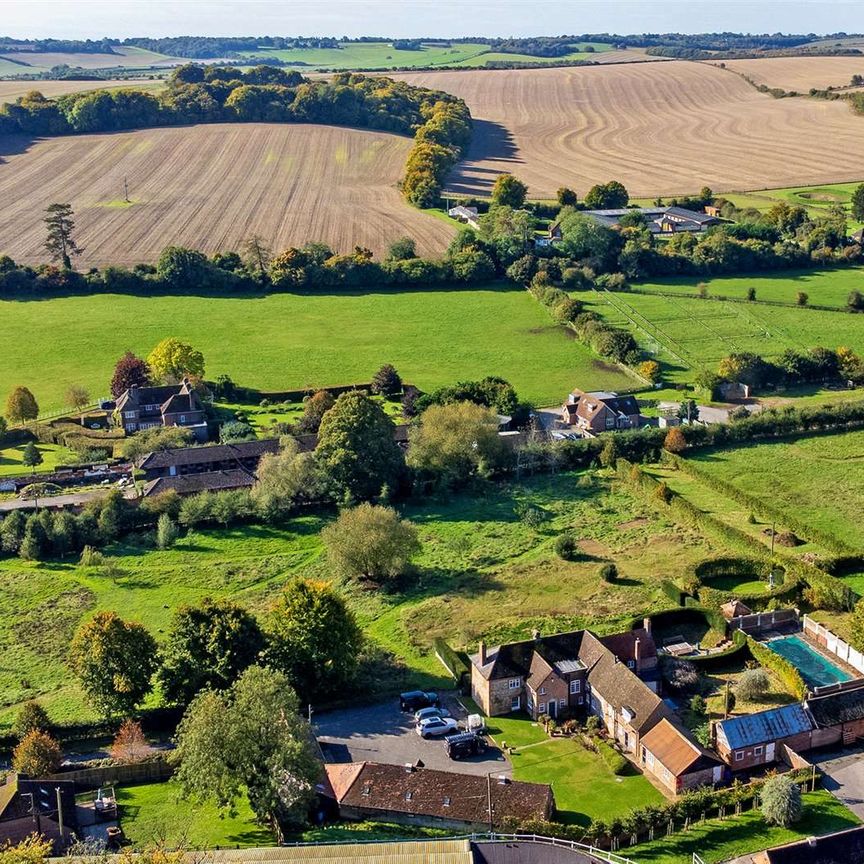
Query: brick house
<point x="410" y="795"/>
<point x="599" y="411"/>
<point x="677" y="761"/>
<point x="572" y="673"/>
<point x="753" y="740"/>
<point x="142" y="408"/>
<point x="838" y="716"/>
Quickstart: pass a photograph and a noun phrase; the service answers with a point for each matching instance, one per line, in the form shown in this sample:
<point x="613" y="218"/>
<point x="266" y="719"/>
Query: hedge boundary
<point x="781" y="667"/>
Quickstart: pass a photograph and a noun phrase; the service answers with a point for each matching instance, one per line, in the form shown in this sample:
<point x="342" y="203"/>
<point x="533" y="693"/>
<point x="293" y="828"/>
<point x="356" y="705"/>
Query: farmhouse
<point x="466" y="215"/>
<point x="571" y="673"/>
<point x="600" y="411"/>
<point x="658" y="220"/>
<point x="171" y="405"/>
<point x="31" y="806"/>
<point x="410" y="795"/>
<point x="677" y="761"/>
<point x="550" y="238"/>
<point x="753" y="740"/>
<point x="180" y="461"/>
<point x="208" y="481"/>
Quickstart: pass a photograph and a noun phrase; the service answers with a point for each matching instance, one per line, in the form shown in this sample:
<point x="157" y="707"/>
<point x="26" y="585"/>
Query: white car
<point x="432" y="727"/>
<point x="431" y="711"/>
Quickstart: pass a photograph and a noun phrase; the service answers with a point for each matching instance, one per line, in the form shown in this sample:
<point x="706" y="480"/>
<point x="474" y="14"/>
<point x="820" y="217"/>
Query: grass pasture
<point x="687" y="333"/>
<point x="284" y="341"/>
<point x="584" y="125"/>
<point x="210" y="187"/>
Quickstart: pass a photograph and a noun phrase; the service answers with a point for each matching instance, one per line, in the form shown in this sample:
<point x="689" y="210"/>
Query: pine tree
<point x="59" y="242"/>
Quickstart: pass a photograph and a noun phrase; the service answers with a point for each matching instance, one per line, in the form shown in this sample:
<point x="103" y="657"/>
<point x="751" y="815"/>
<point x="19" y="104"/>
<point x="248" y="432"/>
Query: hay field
<point x="209" y="187"/>
<point x="800" y="73"/>
<point x="127" y="58"/>
<point x="660" y="128"/>
<point x="12" y="90"/>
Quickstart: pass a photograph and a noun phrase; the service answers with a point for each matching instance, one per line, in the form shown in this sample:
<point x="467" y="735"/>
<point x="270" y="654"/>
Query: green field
<point x="285" y="341"/>
<point x="382" y="55"/>
<point x="687" y="333"/>
<point x="823" y="287"/>
<point x="819" y="480"/>
<point x="11" y="459"/>
<point x="483" y="571"/>
<point x="155" y="813"/>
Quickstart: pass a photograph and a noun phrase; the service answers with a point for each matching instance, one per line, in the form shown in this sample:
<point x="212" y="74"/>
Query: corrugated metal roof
<point x="766" y="726"/>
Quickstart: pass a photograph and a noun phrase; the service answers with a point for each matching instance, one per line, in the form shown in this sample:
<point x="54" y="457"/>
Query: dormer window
<point x="409" y="796"/>
<point x="447" y="800"/>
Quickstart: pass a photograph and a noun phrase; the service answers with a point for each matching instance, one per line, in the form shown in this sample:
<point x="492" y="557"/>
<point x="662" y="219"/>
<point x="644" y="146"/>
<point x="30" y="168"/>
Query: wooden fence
<point x="760" y="621"/>
<point x="151" y="771"/>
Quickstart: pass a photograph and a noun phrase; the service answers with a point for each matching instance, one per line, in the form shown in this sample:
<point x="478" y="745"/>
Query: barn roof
<point x="765" y="726"/>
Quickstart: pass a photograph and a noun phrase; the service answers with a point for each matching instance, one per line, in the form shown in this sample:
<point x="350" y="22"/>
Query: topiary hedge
<point x="781" y="667"/>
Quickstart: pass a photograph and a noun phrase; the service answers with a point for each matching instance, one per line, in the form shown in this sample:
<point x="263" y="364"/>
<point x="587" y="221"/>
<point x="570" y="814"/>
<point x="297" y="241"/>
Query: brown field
<point x="12" y="90"/>
<point x="209" y="187"/>
<point x="800" y="73"/>
<point x="660" y="128"/>
<point x="125" y="57"/>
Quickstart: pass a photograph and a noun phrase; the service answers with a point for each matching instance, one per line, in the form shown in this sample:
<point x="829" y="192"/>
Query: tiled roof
<point x="207" y="481"/>
<point x="675" y="750"/>
<point x="765" y="726"/>
<point x="845" y="706"/>
<point x="842" y="847"/>
<point x="623" y="645"/>
<point x="441" y="794"/>
<point x="212" y="453"/>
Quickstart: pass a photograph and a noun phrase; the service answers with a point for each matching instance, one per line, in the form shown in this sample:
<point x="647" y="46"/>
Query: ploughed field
<point x="12" y="90"/>
<point x="800" y="73"/>
<point x="659" y="128"/>
<point x="210" y="187"/>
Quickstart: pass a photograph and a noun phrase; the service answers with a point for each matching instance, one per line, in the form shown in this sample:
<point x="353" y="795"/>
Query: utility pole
<point x="126" y="188"/>
<point x="60" y="815"/>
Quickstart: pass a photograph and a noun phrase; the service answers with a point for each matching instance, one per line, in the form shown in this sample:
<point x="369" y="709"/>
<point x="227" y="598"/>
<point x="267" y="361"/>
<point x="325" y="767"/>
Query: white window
<point x="631" y="664"/>
<point x="739" y="755"/>
<point x="542" y="707"/>
<point x="182" y="418"/>
<point x="542" y="691"/>
<point x="513" y="684"/>
<point x="580" y="700"/>
<point x="515" y="703"/>
<point x="757" y="751"/>
<point x="562" y="703"/>
<point x="447" y="800"/>
<point x="129" y="415"/>
<point x="575" y="686"/>
<point x="409" y="796"/>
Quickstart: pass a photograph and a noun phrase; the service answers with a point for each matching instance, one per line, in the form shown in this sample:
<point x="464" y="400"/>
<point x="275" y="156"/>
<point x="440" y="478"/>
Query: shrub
<point x="91" y="557"/>
<point x="608" y="572"/>
<point x="662" y="492"/>
<point x="781" y="801"/>
<point x="31" y="715"/>
<point x="675" y="442"/>
<point x="566" y="547"/>
<point x="38" y="754"/>
<point x="386" y="381"/>
<point x="680" y="675"/>
<point x="697" y="705"/>
<point x="166" y="532"/>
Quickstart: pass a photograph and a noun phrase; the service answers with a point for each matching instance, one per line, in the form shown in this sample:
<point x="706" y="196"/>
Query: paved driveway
<point x="383" y="733"/>
<point x="844" y="778"/>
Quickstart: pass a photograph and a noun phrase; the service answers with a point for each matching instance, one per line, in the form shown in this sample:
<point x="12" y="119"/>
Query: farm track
<point x="209" y="187"/>
<point x="659" y="128"/>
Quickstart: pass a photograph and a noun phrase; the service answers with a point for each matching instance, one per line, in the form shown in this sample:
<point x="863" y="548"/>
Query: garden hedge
<point x="784" y="670"/>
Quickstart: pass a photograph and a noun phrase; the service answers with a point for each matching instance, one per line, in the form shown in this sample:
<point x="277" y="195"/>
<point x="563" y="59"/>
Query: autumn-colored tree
<point x="130" y="744"/>
<point x="171" y="360"/>
<point x="674" y="442"/>
<point x="650" y="371"/>
<point x="314" y="408"/>
<point x="34" y="849"/>
<point x="78" y="398"/>
<point x="38" y="754"/>
<point x="130" y="371"/>
<point x="21" y="406"/>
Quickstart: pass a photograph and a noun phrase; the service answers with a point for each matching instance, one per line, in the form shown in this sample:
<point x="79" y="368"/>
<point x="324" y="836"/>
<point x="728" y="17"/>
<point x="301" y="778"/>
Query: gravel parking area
<point x="383" y="733"/>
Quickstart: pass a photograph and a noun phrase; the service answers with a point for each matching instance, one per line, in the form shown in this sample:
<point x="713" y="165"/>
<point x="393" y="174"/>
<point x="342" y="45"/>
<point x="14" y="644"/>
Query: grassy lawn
<point x="483" y="571"/>
<point x="11" y="459"/>
<point x="285" y="341"/>
<point x="803" y="467"/>
<point x="823" y="287"/>
<point x="687" y="333"/>
<point x="717" y="841"/>
<point x="156" y="813"/>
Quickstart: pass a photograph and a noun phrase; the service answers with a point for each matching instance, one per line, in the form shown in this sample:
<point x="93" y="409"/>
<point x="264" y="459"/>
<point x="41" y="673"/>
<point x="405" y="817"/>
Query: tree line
<point x="439" y="122"/>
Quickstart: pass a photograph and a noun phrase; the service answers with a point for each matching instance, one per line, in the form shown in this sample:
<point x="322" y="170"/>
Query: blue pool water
<point x="815" y="669"/>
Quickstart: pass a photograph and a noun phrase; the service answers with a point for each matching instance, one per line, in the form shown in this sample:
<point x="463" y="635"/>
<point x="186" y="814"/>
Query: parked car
<point x="434" y="727"/>
<point x="464" y="744"/>
<point x="431" y="711"/>
<point x="414" y="700"/>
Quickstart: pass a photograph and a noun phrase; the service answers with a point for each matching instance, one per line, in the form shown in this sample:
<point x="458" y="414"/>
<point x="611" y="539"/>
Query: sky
<point x="81" y="19"/>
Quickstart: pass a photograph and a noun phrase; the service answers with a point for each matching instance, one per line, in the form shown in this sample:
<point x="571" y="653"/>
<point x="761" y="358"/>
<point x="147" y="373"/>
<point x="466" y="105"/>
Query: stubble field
<point x="800" y="73"/>
<point x="210" y="187"/>
<point x="659" y="128"/>
<point x="12" y="90"/>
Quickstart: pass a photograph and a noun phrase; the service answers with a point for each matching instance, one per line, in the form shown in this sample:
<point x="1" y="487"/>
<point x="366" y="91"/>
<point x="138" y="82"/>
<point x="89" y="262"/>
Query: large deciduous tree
<point x="370" y="542"/>
<point x="21" y="406"/>
<point x="314" y="408"/>
<point x="171" y="360"/>
<point x="37" y="754"/>
<point x="209" y="645"/>
<point x="60" y="223"/>
<point x="313" y="638"/>
<point x="130" y="371"/>
<point x="77" y="399"/>
<point x="115" y="661"/>
<point x="607" y="196"/>
<point x="250" y="739"/>
<point x="356" y="447"/>
<point x="285" y="479"/>
<point x="509" y="191"/>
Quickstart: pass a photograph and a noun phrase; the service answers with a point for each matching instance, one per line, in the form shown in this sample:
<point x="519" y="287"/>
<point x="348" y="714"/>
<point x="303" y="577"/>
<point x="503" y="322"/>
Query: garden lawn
<point x="156" y="813"/>
<point x="819" y="480"/>
<point x="286" y="341"/>
<point x="486" y="569"/>
<point x="715" y="841"/>
<point x="687" y="334"/>
<point x="823" y="287"/>
<point x="12" y="459"/>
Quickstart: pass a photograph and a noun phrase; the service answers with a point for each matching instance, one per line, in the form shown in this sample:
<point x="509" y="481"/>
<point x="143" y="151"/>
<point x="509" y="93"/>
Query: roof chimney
<point x="535" y="635"/>
<point x="502" y="780"/>
<point x="646" y="625"/>
<point x="482" y="653"/>
<point x="637" y="651"/>
<point x="409" y="768"/>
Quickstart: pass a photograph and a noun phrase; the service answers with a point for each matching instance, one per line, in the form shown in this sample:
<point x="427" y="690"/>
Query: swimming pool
<point x="815" y="669"/>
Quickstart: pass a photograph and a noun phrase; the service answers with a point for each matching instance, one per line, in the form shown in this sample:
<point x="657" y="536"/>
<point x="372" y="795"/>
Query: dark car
<point x="464" y="744"/>
<point x="414" y="700"/>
